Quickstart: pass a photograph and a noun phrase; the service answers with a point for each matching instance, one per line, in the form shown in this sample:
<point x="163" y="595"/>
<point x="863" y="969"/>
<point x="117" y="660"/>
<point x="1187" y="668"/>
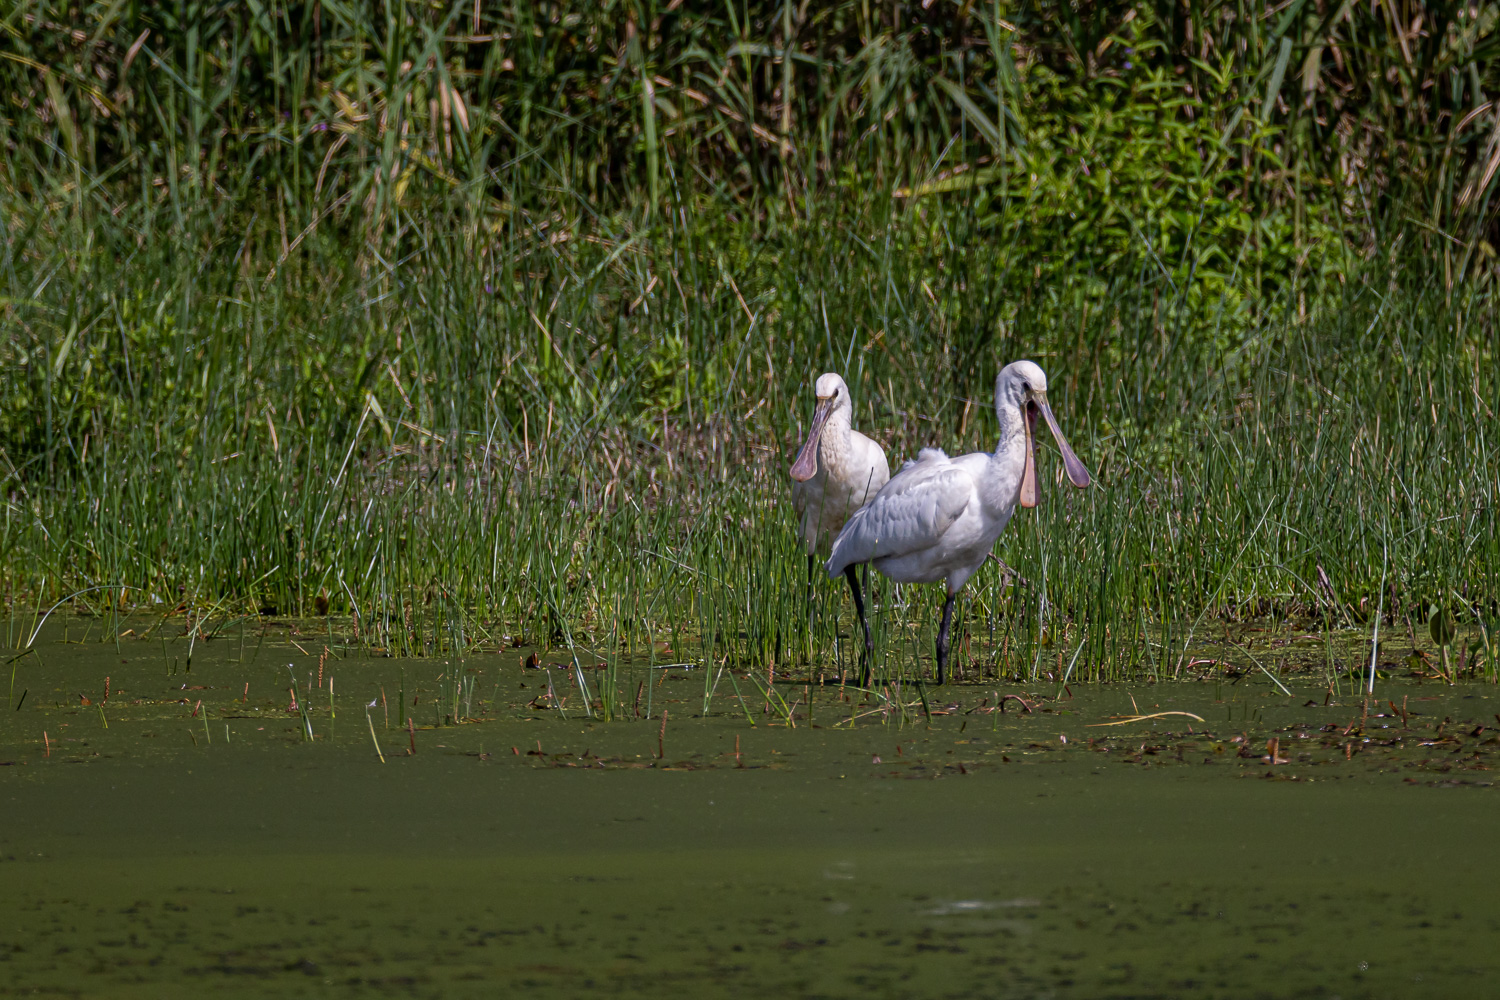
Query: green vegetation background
<point x="468" y="320"/>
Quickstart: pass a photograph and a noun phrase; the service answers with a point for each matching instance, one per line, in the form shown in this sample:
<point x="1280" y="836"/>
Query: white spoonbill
<point x="836" y="472"/>
<point x="938" y="518"/>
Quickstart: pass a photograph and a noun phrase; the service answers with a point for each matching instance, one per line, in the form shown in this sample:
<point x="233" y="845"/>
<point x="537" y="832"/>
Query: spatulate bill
<point x="806" y="465"/>
<point x="1077" y="473"/>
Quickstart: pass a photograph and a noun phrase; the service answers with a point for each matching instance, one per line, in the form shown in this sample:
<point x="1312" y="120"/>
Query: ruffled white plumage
<point x="913" y="512"/>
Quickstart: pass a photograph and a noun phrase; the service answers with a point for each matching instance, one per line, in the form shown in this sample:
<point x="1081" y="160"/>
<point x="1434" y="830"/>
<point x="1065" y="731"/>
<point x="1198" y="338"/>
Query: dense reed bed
<point x="591" y="452"/>
<point x="341" y="314"/>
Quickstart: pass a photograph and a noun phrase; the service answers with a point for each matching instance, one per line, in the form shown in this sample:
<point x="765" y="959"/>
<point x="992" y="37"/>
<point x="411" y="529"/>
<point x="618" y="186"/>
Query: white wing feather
<point x="925" y="455"/>
<point x="910" y="513"/>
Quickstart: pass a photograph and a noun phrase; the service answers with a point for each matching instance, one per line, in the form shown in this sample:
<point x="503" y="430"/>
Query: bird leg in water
<point x="942" y="638"/>
<point x="859" y="608"/>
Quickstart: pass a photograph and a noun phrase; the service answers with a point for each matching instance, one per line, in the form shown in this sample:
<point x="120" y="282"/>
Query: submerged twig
<point x="1126" y="720"/>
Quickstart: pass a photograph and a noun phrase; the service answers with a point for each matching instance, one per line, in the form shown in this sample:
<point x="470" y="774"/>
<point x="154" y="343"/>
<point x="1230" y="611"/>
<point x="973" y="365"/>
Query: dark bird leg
<point x="859" y="608"/>
<point x="869" y="646"/>
<point x="942" y="638"/>
<point x="812" y="568"/>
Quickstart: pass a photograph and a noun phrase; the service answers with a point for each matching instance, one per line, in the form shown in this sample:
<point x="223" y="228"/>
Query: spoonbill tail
<point x="938" y="518"/>
<point x="836" y="472"/>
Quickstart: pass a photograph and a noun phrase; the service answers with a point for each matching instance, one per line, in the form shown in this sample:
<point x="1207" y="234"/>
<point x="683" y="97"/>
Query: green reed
<point x="455" y="498"/>
<point x="583" y="444"/>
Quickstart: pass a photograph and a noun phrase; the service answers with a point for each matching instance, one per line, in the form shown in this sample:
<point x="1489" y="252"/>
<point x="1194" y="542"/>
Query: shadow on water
<point x="183" y="833"/>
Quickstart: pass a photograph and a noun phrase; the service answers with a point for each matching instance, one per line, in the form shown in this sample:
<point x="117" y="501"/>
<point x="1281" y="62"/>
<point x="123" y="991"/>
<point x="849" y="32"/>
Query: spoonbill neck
<point x="833" y="445"/>
<point x="1012" y="430"/>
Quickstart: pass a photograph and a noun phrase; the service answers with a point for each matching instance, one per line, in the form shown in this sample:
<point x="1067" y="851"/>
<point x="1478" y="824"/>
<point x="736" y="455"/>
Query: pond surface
<point x="183" y="836"/>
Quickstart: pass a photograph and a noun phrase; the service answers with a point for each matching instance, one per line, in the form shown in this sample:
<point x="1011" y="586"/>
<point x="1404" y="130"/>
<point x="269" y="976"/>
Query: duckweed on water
<point x="1085" y="842"/>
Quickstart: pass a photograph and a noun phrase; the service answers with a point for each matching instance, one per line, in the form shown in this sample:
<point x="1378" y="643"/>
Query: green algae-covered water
<point x="183" y="836"/>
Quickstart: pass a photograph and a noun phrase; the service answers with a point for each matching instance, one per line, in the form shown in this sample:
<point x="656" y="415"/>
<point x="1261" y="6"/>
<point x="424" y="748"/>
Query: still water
<point x="183" y="836"/>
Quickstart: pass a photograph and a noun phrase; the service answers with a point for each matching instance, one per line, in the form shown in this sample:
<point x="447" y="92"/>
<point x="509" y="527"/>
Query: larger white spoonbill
<point x="836" y="472"/>
<point x="938" y="518"/>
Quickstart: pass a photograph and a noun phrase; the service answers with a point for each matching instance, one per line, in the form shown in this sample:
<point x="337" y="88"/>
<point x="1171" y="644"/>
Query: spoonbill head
<point x="831" y="394"/>
<point x="938" y="518"/>
<point x="1021" y="387"/>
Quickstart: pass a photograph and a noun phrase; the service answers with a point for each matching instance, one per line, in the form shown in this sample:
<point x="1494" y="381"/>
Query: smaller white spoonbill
<point x="938" y="518"/>
<point x="836" y="472"/>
